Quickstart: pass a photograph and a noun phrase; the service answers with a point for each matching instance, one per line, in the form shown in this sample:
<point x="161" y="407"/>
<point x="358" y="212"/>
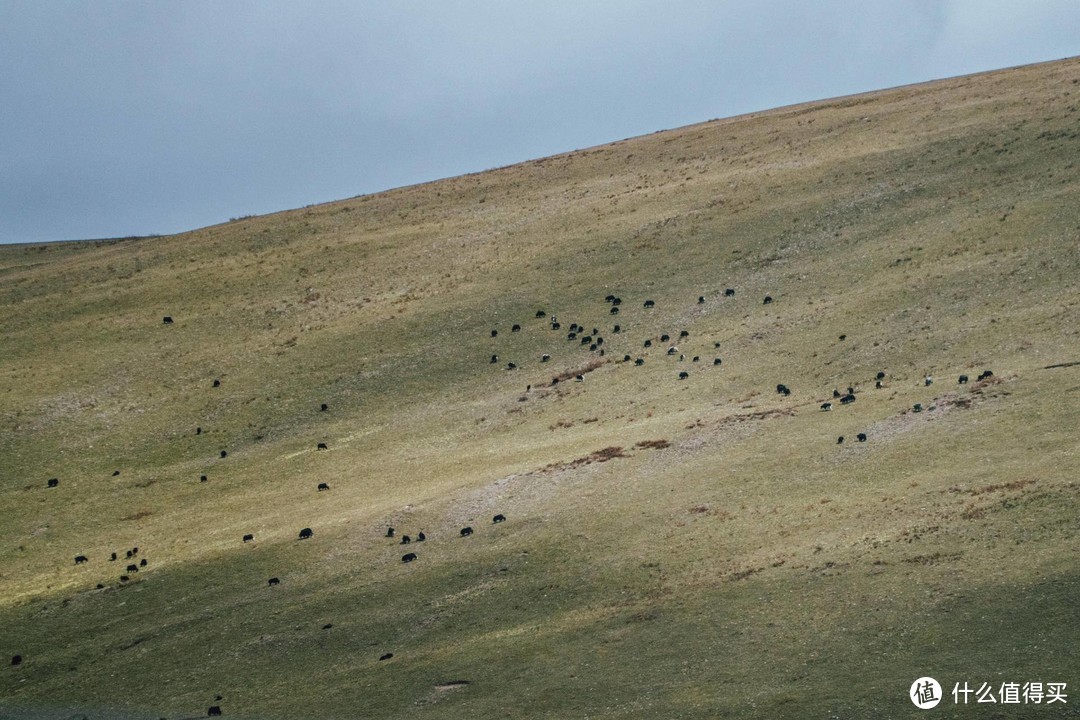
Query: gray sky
<point x="132" y="118"/>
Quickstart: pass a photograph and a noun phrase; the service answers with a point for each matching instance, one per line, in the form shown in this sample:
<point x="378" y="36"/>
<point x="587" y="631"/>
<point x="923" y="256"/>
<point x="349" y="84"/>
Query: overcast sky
<point x="134" y="118"/>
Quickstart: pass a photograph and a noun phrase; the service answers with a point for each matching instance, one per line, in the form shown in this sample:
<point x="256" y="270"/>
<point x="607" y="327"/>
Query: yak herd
<point x="576" y="333"/>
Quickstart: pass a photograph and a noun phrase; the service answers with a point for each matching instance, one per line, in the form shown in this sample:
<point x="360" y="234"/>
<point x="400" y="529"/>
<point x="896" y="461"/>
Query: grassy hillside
<point x="697" y="548"/>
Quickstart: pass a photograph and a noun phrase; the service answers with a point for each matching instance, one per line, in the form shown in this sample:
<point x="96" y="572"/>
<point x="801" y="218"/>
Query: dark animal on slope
<point x="466" y="531"/>
<point x="696" y="358"/>
<point x="499" y="518"/>
<point x="843" y="337"/>
<point x="614" y="311"/>
<point x="16" y="660"/>
<point x="545" y="357"/>
<point x="684" y="333"/>
<point x="616" y="329"/>
<point x="132" y="569"/>
<point x="617" y="301"/>
<point x="494" y="333"/>
<point x="826" y="406"/>
<point x="609" y="298"/>
<point x="306" y="533"/>
<point x="648" y="343"/>
<point x="408" y="557"/>
<point x="917" y="407"/>
<point x="115" y="473"/>
<point x="129" y="553"/>
<point x="963" y="379"/>
<point x="768" y="299"/>
<point x="593" y="347"/>
<point x="729" y="292"/>
<point x="985" y="374"/>
<point x="555" y="326"/>
<point x="878" y="385"/>
<point x="112" y="557"/>
<point x="53" y="482"/>
<point x="683" y="375"/>
<point x="421" y="537"/>
<point x="665" y="337"/>
<point x="847" y="399"/>
<point x="639" y="361"/>
<point x="198" y="431"/>
<point x="571" y="336"/>
<point x="134" y="551"/>
<point x="203" y="478"/>
<point x="167" y="320"/>
<point x="124" y="578"/>
<point x="650" y="303"/>
<point x="249" y="538"/>
<point x="701" y="300"/>
<point x="324" y="407"/>
<point x="783" y="389"/>
<point x="716" y="361"/>
<point x="515" y="328"/>
<point x="835" y="394"/>
<point x="214" y="710"/>
<point x="405" y="540"/>
<point x="494" y="359"/>
<point x="861" y="437"/>
<point x="579" y="378"/>
<point x="273" y="581"/>
<point x="389" y="532"/>
<point x="387" y="656"/>
<point x="554" y="381"/>
<point x="840" y="440"/>
<point x="540" y="313"/>
<point x="511" y="366"/>
<point x="80" y="559"/>
<point x="880" y="376"/>
<point x="224" y="453"/>
<point x="142" y="563"/>
<point x="323" y="486"/>
<point x="321" y="446"/>
<point x="574" y="326"/>
<point x="626" y="358"/>
<point x="672" y="350"/>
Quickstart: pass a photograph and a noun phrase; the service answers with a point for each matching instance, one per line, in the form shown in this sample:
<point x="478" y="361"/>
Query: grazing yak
<point x="639" y="361"/>
<point x="985" y="374"/>
<point x="217" y="383"/>
<point x="306" y="533"/>
<point x="224" y="453"/>
<point x="545" y="357"/>
<point x="730" y="292"/>
<point x="132" y="569"/>
<point x="323" y="486"/>
<point x="861" y="437"/>
<point x="405" y="540"/>
<point x="540" y="313"/>
<point x="847" y="399"/>
<point x="783" y="390"/>
<point x="324" y="407"/>
<point x="389" y="532"/>
<point x="167" y="320"/>
<point x="515" y="328"/>
<point x="716" y="361"/>
<point x="80" y="559"/>
<point x="215" y="709"/>
<point x="767" y="300"/>
<point x="321" y="446"/>
<point x="387" y="656"/>
<point x="614" y="311"/>
<point x="880" y="376"/>
<point x="963" y="379"/>
<point x="616" y="329"/>
<point x="825" y="407"/>
<point x="203" y="478"/>
<point x="650" y="303"/>
<point x="16" y="660"/>
<point x="683" y="375"/>
<point x="494" y="333"/>
<point x="840" y="440"/>
<point x="249" y="538"/>
<point x="701" y="300"/>
<point x="499" y="518"/>
<point x="53" y="482"/>
<point x="273" y="581"/>
<point x="665" y="337"/>
<point x="648" y="343"/>
<point x="466" y="531"/>
<point x="408" y="557"/>
<point x="421" y="537"/>
<point x="494" y="359"/>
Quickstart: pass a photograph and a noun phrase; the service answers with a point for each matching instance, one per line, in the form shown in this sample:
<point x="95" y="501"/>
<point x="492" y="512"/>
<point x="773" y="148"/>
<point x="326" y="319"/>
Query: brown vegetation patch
<point x="584" y="369"/>
<point x="1014" y="485"/>
<point x="933" y="559"/>
<point x="138" y="515"/>
<point x="453" y="685"/>
<point x="598" y="456"/>
<point x="653" y="444"/>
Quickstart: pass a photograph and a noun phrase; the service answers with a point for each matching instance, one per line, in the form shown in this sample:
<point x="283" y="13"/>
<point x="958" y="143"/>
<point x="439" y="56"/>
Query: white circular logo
<point x="925" y="693"/>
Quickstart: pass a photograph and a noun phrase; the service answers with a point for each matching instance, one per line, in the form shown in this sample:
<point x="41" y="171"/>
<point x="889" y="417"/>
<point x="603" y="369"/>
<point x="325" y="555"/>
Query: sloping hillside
<point x="692" y="547"/>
